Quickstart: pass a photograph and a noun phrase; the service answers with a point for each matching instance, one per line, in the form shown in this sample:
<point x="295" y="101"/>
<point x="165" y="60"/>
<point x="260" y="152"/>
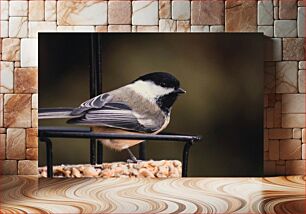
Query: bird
<point x="142" y="106"/>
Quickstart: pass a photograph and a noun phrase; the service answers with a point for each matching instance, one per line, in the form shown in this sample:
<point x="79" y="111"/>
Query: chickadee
<point x="143" y="106"/>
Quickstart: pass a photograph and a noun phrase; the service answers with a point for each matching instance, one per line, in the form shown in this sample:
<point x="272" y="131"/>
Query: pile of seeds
<point x="143" y="169"/>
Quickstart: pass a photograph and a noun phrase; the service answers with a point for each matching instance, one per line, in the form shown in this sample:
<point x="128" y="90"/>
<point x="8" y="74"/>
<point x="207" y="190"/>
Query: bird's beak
<point x="180" y="91"/>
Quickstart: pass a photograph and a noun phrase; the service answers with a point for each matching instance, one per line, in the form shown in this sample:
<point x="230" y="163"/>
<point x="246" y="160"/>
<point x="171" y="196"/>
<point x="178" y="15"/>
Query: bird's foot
<point x="132" y="158"/>
<point x="133" y="161"/>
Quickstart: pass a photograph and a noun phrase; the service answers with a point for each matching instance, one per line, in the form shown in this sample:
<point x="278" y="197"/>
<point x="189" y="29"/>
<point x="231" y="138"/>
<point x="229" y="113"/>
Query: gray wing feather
<point x="94" y="103"/>
<point x="55" y="113"/>
<point x="117" y="115"/>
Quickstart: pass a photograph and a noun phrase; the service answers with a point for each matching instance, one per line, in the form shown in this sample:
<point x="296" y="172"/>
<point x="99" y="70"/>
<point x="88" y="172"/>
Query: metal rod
<point x="98" y="65"/>
<point x="64" y="134"/>
<point x="185" y="158"/>
<point x="99" y="153"/>
<point x="98" y="85"/>
<point x="142" y="151"/>
<point x="93" y="65"/>
<point x="49" y="158"/>
<point x="84" y="129"/>
<point x="93" y="148"/>
<point x="93" y="89"/>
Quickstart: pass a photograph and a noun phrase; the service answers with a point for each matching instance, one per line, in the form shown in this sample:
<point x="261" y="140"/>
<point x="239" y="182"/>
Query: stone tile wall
<point x="281" y="20"/>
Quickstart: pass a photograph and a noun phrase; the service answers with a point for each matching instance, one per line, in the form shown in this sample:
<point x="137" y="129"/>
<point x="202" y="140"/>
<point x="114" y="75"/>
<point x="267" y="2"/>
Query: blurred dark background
<point x="221" y="72"/>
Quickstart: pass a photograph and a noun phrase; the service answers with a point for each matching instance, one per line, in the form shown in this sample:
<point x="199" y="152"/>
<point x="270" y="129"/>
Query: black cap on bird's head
<point x="163" y="79"/>
<point x="171" y="87"/>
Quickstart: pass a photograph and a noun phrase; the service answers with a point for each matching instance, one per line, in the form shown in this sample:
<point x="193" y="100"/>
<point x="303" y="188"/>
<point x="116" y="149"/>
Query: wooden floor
<point x="187" y="195"/>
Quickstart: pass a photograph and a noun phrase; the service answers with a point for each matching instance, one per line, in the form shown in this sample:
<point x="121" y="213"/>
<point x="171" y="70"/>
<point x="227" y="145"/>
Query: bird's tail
<point x="55" y="113"/>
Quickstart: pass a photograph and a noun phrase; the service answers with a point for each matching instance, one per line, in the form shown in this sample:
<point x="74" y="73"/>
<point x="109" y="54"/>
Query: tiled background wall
<point x="282" y="20"/>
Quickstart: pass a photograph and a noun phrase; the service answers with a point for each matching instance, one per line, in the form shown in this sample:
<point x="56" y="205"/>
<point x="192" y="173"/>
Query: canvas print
<point x="209" y="118"/>
<point x="158" y="89"/>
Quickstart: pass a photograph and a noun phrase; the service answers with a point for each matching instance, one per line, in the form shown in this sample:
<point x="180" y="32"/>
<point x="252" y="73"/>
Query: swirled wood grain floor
<point x="187" y="195"/>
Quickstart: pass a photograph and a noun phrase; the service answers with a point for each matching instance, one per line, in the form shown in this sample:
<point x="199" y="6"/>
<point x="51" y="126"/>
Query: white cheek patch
<point x="149" y="89"/>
